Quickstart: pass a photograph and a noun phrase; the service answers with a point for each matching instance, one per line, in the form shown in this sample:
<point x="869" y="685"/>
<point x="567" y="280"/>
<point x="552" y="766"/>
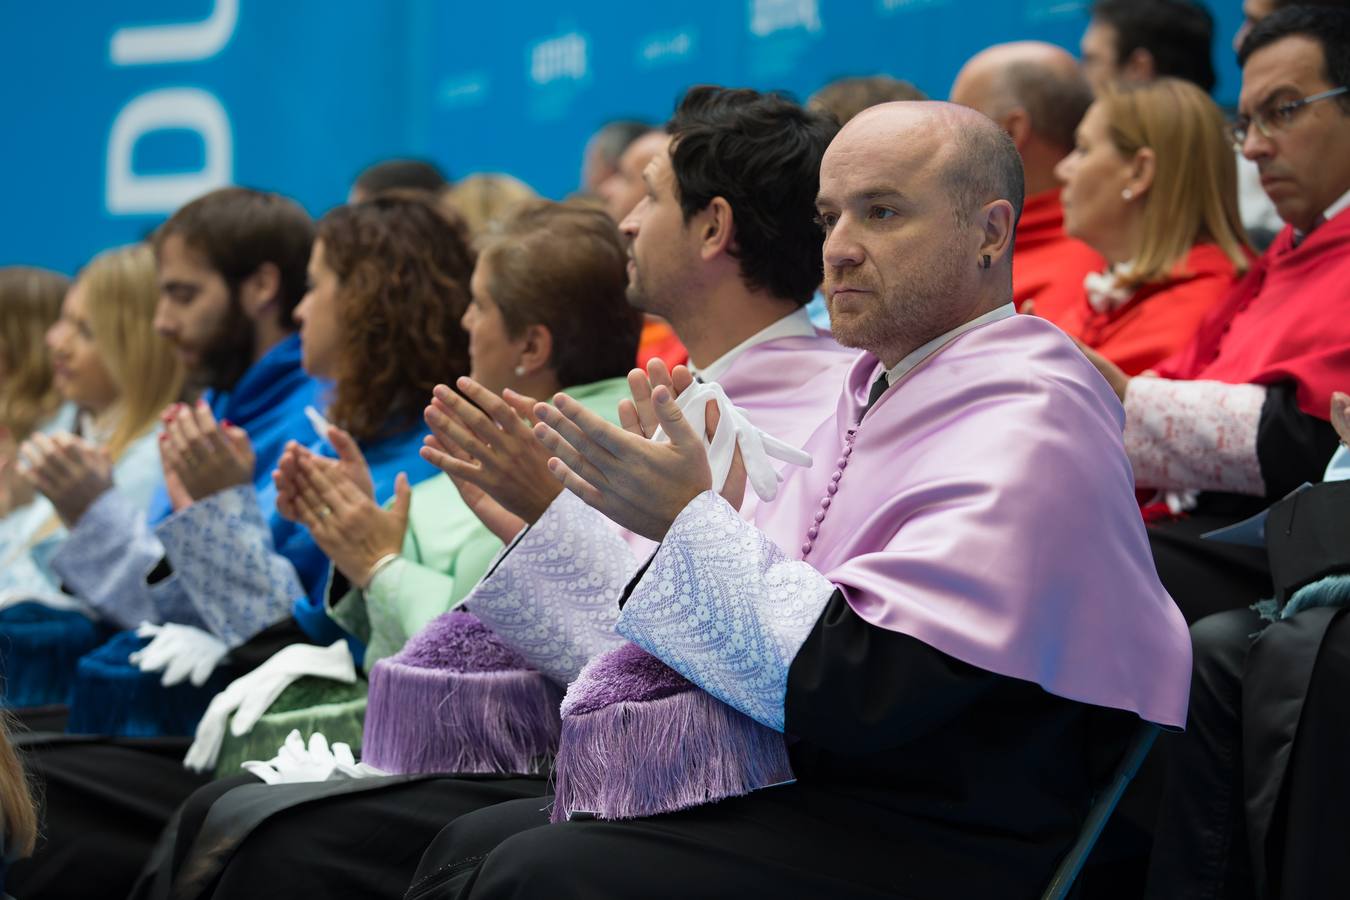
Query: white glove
<point x="248" y="697"/>
<point x="296" y="763"/>
<point x="183" y="652"/>
<point x="735" y="429"/>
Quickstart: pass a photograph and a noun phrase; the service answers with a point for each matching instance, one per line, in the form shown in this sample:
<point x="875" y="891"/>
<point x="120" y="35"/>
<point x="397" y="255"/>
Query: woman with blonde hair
<point x="108" y="362"/>
<point x="1152" y="185"/>
<point x="486" y="200"/>
<point x="30" y="301"/>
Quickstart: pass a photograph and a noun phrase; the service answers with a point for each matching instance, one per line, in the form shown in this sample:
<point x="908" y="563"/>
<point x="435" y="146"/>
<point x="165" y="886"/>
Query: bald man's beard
<point x="229" y="354"/>
<point x="906" y="317"/>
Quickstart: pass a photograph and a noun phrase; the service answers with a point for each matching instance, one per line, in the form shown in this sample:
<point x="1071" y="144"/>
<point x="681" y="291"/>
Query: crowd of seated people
<point x="823" y="501"/>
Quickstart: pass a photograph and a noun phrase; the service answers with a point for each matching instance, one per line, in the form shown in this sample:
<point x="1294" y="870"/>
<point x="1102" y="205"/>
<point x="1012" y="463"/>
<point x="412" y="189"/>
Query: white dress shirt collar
<point x="898" y="371"/>
<point x="794" y="324"/>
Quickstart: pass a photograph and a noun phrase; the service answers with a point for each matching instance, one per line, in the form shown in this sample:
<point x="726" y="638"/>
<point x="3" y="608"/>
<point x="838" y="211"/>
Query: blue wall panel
<point x="305" y="93"/>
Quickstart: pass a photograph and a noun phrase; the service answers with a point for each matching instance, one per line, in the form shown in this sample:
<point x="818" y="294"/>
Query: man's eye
<point x="881" y="212"/>
<point x="825" y="221"/>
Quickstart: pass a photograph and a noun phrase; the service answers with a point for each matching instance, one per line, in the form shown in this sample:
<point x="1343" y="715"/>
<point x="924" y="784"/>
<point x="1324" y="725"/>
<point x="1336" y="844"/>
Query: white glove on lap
<point x="295" y="762"/>
<point x="735" y="429"/>
<point x="248" y="697"/>
<point x="183" y="652"/>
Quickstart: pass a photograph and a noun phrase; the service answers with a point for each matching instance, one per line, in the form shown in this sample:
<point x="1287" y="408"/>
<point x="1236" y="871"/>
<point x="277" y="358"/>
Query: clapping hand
<point x="69" y="471"/>
<point x="352" y="529"/>
<point x="350" y="465"/>
<point x="206" y="456"/>
<point x="639" y="483"/>
<point x="490" y="447"/>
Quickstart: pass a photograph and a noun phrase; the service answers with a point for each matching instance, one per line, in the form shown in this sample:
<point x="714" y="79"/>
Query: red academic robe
<point x="1048" y="265"/>
<point x="1161" y="318"/>
<point x="1288" y="320"/>
<point x="658" y="339"/>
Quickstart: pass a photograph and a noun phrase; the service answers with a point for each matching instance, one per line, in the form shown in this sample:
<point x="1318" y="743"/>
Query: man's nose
<point x="841" y="249"/>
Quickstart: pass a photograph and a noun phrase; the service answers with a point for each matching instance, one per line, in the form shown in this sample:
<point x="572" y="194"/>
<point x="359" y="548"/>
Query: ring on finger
<point x="325" y="512"/>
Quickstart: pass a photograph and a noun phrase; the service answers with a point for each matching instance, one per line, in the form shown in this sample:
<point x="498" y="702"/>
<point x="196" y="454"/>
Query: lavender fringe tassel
<point x="645" y="757"/>
<point x="431" y="720"/>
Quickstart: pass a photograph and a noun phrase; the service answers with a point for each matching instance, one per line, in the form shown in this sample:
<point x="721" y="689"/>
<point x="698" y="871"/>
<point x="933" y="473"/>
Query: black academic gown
<point x="1206" y="577"/>
<point x="1257" y="786"/>
<point x="919" y="776"/>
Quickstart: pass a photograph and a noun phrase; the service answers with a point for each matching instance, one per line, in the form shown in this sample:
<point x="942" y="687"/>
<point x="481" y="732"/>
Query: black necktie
<point x="878" y="388"/>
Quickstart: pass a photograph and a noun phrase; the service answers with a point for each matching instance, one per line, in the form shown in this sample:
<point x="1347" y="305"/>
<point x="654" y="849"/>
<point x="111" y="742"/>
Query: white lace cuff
<point x="554" y="594"/>
<point x="726" y="608"/>
<point x="1194" y="435"/>
<point x="222" y="554"/>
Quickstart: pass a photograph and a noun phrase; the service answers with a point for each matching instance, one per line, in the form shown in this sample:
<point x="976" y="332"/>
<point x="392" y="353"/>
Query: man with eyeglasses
<point x="1257" y="785"/>
<point x="1240" y="418"/>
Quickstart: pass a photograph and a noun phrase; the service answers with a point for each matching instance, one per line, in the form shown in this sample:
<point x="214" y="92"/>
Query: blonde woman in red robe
<point x="1151" y="184"/>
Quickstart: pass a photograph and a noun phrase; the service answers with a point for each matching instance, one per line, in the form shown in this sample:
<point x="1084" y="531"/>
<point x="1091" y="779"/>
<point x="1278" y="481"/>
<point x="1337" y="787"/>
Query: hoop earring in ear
<point x="985" y="261"/>
<point x="1127" y="194"/>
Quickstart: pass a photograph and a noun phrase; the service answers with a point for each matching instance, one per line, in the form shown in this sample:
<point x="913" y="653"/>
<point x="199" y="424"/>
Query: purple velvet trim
<point x="457" y="642"/>
<point x="625" y="673"/>
<point x="638" y="739"/>
<point x="457" y="700"/>
<point x="646" y="757"/>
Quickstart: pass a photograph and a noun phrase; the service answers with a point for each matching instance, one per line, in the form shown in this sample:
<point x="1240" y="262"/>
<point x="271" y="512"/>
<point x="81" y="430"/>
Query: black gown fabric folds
<point x="1257" y="785"/>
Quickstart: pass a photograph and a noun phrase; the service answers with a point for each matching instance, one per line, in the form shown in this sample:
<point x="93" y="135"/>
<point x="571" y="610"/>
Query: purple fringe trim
<point x="642" y="758"/>
<point x="428" y="721"/>
<point x="625" y="673"/>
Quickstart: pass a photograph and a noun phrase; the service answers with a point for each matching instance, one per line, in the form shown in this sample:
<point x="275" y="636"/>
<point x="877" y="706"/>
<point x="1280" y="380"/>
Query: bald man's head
<point x="919" y="202"/>
<point x="976" y="161"/>
<point x="1041" y="79"/>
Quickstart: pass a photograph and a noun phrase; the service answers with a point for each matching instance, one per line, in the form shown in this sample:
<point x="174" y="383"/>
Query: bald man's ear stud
<point x="987" y="262"/>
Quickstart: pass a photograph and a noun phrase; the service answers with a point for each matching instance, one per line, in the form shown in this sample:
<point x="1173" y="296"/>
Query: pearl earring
<point x="1127" y="194"/>
<point x="520" y="371"/>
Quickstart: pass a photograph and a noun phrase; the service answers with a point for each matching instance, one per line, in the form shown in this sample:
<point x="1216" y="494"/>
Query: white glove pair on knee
<point x="247" y="698"/>
<point x="295" y="762"/>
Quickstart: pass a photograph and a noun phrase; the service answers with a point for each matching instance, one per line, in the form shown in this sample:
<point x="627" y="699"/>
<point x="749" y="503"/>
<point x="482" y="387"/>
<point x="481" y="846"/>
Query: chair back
<point x="1102" y="807"/>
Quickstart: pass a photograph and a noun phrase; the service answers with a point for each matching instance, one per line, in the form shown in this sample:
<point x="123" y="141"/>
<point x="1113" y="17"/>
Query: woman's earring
<point x="520" y="371"/>
<point x="1127" y="194"/>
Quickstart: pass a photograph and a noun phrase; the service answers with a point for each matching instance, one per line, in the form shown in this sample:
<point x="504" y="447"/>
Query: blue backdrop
<point x="116" y="113"/>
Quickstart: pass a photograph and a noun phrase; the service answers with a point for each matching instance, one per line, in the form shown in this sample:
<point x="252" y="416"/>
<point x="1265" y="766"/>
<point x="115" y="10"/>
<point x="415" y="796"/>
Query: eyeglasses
<point x="1277" y="119"/>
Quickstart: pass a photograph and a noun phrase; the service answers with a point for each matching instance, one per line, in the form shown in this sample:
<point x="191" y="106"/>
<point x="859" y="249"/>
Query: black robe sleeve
<point x="857" y="688"/>
<point x="1292" y="447"/>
